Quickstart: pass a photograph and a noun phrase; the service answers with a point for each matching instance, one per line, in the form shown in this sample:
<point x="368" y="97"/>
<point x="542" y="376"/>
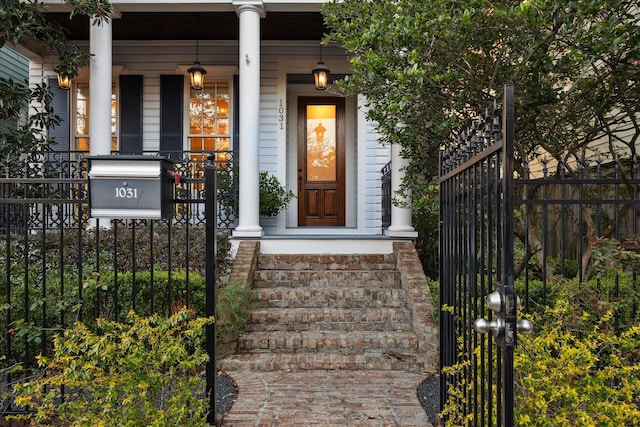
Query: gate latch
<point x="504" y="304"/>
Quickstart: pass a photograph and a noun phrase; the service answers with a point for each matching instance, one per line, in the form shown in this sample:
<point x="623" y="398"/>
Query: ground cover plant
<point x="146" y="371"/>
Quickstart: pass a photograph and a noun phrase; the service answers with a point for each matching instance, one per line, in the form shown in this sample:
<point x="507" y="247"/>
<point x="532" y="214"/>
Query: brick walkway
<point x="327" y="398"/>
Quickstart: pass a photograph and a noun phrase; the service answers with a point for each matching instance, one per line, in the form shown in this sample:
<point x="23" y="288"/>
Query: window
<point x="81" y="125"/>
<point x="209" y="119"/>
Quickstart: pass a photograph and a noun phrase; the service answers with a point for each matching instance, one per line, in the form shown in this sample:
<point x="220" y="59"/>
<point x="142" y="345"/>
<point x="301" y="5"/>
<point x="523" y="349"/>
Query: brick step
<point x="327" y="262"/>
<point x="370" y="360"/>
<point x="328" y="341"/>
<point x="299" y="319"/>
<point x="325" y="278"/>
<point x="312" y="297"/>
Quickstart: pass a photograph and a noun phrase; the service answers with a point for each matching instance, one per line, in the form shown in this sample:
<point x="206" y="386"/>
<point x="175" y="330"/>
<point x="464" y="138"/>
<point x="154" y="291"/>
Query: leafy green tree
<point x="431" y="66"/>
<point x="26" y="23"/>
<point x="428" y="68"/>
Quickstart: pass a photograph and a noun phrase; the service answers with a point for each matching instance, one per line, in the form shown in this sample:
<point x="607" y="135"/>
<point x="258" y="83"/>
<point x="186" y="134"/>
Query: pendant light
<point x="321" y="74"/>
<point x="197" y="71"/>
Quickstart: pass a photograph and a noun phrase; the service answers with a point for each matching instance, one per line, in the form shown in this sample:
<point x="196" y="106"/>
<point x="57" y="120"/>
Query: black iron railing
<point x="386" y="196"/>
<point x="62" y="197"/>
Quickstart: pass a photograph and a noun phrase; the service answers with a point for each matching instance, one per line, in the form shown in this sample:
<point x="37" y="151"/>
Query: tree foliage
<point x="433" y="65"/>
<point x="428" y="68"/>
<point x="22" y="23"/>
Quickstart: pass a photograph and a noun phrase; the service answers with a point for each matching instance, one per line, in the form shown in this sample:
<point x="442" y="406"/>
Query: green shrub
<point x="566" y="267"/>
<point x="571" y="372"/>
<point x="151" y="291"/>
<point x="581" y="365"/>
<point x="273" y="196"/>
<point x="59" y="277"/>
<point x="595" y="296"/>
<point x="233" y="307"/>
<point x="143" y="372"/>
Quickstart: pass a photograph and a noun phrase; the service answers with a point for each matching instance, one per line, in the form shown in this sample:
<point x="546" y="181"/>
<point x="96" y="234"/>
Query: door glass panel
<point x="321" y="143"/>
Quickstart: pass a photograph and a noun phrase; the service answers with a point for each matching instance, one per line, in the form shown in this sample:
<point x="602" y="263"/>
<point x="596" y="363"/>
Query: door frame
<point x="338" y="217"/>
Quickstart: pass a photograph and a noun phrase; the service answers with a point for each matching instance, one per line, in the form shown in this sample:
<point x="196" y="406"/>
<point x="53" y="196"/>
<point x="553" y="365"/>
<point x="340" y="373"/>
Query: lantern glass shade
<point x="64" y="82"/>
<point x="321" y="76"/>
<point x="197" y="73"/>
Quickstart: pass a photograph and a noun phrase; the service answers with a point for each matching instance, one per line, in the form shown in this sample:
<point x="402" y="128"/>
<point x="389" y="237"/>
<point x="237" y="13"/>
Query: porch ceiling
<point x="192" y="26"/>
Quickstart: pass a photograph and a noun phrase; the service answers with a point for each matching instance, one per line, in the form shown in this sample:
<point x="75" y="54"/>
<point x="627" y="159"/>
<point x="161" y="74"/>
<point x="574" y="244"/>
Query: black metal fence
<point x="60" y="195"/>
<point x="57" y="265"/>
<point x="567" y="208"/>
<point x="567" y="223"/>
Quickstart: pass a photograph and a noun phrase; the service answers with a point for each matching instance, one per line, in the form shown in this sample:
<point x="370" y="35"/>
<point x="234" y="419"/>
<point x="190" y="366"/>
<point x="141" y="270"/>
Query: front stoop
<point x="336" y="312"/>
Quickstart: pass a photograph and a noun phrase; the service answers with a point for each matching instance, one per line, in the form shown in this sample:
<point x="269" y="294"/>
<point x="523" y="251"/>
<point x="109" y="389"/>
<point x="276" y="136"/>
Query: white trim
<point x="282" y="122"/>
<point x="362" y="159"/>
<point x="326" y="245"/>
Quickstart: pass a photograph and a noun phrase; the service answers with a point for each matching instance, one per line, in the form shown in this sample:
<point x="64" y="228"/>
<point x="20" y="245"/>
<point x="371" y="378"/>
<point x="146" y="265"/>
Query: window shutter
<point x="130" y="114"/>
<point x="62" y="132"/>
<point x="171" y="115"/>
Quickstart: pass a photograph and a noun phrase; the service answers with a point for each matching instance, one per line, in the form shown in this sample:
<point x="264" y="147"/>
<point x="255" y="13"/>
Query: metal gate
<point x="478" y="303"/>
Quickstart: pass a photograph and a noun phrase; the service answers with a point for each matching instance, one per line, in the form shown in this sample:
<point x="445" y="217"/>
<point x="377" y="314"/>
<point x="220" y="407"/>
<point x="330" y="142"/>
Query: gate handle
<point x="497" y="325"/>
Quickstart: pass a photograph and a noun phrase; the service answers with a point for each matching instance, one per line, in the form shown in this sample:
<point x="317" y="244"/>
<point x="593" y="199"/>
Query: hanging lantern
<point x="197" y="73"/>
<point x="321" y="76"/>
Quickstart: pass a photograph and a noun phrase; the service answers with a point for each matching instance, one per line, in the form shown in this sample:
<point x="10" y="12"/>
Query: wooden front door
<point x="321" y="140"/>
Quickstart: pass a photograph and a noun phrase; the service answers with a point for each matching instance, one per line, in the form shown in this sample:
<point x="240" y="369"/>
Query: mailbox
<point x="136" y="187"/>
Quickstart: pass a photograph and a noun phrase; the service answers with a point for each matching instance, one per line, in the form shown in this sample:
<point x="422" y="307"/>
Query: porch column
<point x="249" y="14"/>
<point x="100" y="88"/>
<point x="400" y="217"/>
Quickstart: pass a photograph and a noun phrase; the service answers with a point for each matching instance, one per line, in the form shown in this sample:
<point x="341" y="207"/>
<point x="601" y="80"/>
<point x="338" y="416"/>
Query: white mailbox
<point x="136" y="187"/>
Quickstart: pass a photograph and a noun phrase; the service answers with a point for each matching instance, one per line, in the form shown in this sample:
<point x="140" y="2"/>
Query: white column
<point x="100" y="88"/>
<point x="249" y="14"/>
<point x="400" y="216"/>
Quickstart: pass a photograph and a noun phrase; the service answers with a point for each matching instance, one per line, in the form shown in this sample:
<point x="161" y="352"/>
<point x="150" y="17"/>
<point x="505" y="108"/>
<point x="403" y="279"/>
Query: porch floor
<point x="323" y="244"/>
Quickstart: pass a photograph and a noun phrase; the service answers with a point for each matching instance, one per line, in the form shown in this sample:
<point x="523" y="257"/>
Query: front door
<point x="321" y="140"/>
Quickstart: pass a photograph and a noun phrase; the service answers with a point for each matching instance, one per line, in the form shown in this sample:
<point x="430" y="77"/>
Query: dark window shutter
<point x="130" y="114"/>
<point x="60" y="104"/>
<point x="171" y="107"/>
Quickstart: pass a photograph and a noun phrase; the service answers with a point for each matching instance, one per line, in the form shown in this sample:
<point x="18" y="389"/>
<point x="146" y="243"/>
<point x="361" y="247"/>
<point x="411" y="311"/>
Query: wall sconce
<point x="321" y="74"/>
<point x="64" y="82"/>
<point x="64" y="79"/>
<point x="196" y="71"/>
